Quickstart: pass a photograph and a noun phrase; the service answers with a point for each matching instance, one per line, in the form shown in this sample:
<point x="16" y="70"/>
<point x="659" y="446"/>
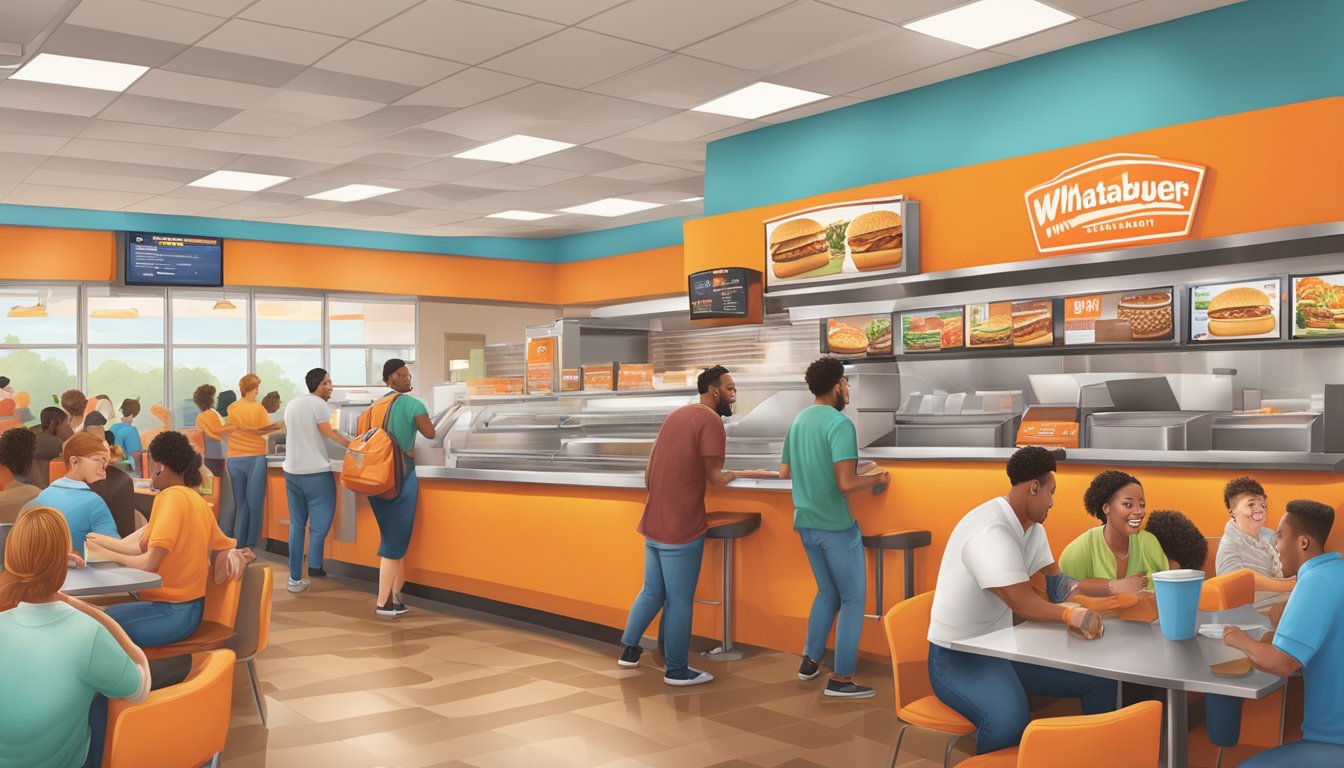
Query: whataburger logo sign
<point x="1114" y="200"/>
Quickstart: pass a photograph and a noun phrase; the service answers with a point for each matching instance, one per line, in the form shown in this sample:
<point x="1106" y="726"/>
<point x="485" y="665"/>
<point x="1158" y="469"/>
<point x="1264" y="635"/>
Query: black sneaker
<point x="809" y="669"/>
<point x="630" y="656"/>
<point x="848" y="689"/>
<point x="390" y="611"/>
<point x="317" y="573"/>
<point x="686" y="677"/>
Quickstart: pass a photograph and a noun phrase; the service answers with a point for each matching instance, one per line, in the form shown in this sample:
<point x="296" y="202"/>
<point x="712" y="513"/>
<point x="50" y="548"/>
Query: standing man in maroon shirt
<point x="687" y="456"/>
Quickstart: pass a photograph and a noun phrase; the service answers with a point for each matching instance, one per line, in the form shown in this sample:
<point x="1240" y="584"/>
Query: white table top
<point x="1132" y="652"/>
<point x="107" y="579"/>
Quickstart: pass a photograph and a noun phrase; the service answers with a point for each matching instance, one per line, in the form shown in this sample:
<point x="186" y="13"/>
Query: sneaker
<point x="390" y="611"/>
<point x="298" y="586"/>
<point x="687" y="676"/>
<point x="809" y="669"/>
<point x="630" y="656"/>
<point x="848" y="689"/>
<point x="399" y="607"/>
<point x="317" y="573"/>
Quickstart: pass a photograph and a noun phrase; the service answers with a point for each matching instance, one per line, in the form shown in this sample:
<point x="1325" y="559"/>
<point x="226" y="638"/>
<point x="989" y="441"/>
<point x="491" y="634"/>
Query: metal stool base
<point x="719" y="654"/>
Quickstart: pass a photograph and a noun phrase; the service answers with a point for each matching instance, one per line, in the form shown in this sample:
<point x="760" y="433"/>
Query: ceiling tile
<point x="315" y="153"/>
<point x="1083" y="8"/>
<point x="393" y="224"/>
<point x="277" y="166"/>
<point x="43" y="97"/>
<point x="807" y="110"/>
<point x="101" y="181"/>
<point x="421" y="141"/>
<point x="269" y="41"/>
<point x="172" y="206"/>
<point x="683" y="155"/>
<point x="316" y="80"/>
<point x="427" y="198"/>
<point x="321" y="218"/>
<point x="29" y="144"/>
<point x="267" y="122"/>
<point x="28" y="121"/>
<point x="222" y="65"/>
<point x="145" y="154"/>
<point x="548" y="112"/>
<point x="393" y="161"/>
<point x="676" y="81"/>
<point x="107" y="130"/>
<point x="583" y="160"/>
<point x="374" y="208"/>
<point x="897" y="52"/>
<point x="567" y="12"/>
<point x="677" y="24"/>
<point x="148" y="110"/>
<point x="901" y="12"/>
<point x="320" y="105"/>
<point x="517" y="177"/>
<point x="1063" y="36"/>
<point x="683" y="126"/>
<point x="348" y="173"/>
<point x="938" y="72"/>
<point x="144" y="19"/>
<point x="164" y="84"/>
<point x="465" y="88"/>
<point x="72" y="197"/>
<point x="343" y="18"/>
<point x="224" y="8"/>
<point x="449" y="169"/>
<point x="574" y="58"/>
<point x="16" y="167"/>
<point x="88" y="43"/>
<point x="1146" y="12"/>
<point x="113" y="168"/>
<point x="382" y="63"/>
<point x="648" y="173"/>
<point x="466" y="33"/>
<point x="784" y="36"/>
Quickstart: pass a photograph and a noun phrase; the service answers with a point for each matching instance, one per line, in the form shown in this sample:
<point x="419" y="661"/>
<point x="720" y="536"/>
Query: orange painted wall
<point x="38" y="253"/>
<point x="1271" y="168"/>
<point x="643" y="274"/>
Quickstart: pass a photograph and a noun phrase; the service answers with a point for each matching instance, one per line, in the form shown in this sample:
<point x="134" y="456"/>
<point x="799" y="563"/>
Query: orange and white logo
<point x="1115" y="200"/>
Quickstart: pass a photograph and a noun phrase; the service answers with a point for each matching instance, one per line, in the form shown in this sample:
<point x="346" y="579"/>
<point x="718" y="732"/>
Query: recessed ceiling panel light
<point x="759" y="100"/>
<point x="352" y="192"/>
<point x="986" y="23"/>
<point x="82" y="73"/>
<point x="612" y="206"/>
<point x="521" y="215"/>
<point x="239" y="180"/>
<point x="690" y="200"/>
<point x="514" y="149"/>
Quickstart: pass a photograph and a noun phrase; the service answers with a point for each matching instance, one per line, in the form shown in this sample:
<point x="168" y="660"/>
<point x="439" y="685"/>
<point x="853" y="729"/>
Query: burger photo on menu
<point x="875" y="240"/>
<point x="842" y="241"/>
<point x="1318" y="306"/>
<point x="879" y="336"/>
<point x="931" y="330"/>
<point x="846" y="337"/>
<point x="991" y="324"/>
<point x="1235" y="311"/>
<point x="1033" y="324"/>
<point x="797" y="247"/>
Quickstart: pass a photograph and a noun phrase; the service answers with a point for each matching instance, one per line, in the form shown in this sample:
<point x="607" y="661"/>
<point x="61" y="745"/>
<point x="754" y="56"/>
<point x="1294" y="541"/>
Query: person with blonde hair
<point x="247" y="460"/>
<point x="86" y="458"/>
<point x="56" y="655"/>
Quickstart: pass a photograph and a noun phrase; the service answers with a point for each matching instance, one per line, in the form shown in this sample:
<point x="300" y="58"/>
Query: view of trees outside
<point x="133" y="373"/>
<point x="42" y="373"/>
<point x="194" y="366"/>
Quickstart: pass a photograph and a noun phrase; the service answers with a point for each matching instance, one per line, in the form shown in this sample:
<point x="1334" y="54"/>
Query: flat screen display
<point x="174" y="260"/>
<point x="1240" y="311"/>
<point x="1123" y="317"/>
<point x="856" y="337"/>
<point x="721" y="292"/>
<point x="932" y="330"/>
<point x="1001" y="324"/>
<point x="1318" y="307"/>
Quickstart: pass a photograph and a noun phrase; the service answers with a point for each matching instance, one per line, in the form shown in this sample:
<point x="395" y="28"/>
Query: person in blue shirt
<point x="1310" y="638"/>
<point x="86" y="457"/>
<point x="126" y="435"/>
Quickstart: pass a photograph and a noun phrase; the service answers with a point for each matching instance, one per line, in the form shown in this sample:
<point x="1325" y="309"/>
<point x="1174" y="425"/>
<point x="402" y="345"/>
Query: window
<point x="39" y="315"/>
<point x="120" y="373"/>
<point x="288" y="321"/>
<point x="209" y="318"/>
<point x="43" y="373"/>
<point x="355" y="367"/>
<point x="194" y="366"/>
<point x="282" y="370"/>
<point x="125" y="316"/>
<point x="364" y="333"/>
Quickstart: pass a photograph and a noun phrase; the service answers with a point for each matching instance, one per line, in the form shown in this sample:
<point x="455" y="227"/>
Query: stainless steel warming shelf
<point x="1301" y="432"/>
<point x="1151" y="431"/>
<point x="992" y="430"/>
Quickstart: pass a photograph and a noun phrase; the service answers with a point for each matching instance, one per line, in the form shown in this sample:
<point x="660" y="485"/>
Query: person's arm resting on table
<point x="1300" y="634"/>
<point x="995" y="560"/>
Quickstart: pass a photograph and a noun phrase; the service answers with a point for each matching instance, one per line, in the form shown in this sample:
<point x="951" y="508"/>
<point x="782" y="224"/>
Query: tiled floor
<point x="444" y="687"/>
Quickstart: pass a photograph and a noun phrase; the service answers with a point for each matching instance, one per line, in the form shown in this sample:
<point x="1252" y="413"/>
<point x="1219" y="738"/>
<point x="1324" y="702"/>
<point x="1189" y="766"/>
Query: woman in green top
<point x="1118" y="557"/>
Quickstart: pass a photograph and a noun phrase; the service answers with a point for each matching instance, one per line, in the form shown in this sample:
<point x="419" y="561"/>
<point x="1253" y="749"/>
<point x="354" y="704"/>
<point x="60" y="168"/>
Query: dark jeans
<point x="155" y="624"/>
<point x="1299" y="754"/>
<point x="162" y="673"/>
<point x="992" y="693"/>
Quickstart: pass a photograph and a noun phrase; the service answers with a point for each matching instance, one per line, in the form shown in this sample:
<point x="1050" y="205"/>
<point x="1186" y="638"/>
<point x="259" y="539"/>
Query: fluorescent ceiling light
<point x="690" y="200"/>
<point x="81" y="73"/>
<point x="516" y="215"/>
<point x="352" y="192"/>
<point x="612" y="206"/>
<point x="514" y="149"/>
<point x="986" y="23"/>
<point x="239" y="180"/>
<point x="759" y="100"/>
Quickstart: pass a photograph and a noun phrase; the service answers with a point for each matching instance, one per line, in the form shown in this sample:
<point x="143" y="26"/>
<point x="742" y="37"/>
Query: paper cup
<point x="1178" y="601"/>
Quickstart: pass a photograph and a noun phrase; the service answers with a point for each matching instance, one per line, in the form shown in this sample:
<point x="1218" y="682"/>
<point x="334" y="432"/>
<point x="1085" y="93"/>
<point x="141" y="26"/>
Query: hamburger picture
<point x="1320" y="305"/>
<point x="1241" y="312"/>
<point x="842" y="339"/>
<point x="876" y="240"/>
<point x="922" y="334"/>
<point x="798" y="246"/>
<point x="879" y="336"/>
<point x="1033" y="324"/>
<point x="993" y="331"/>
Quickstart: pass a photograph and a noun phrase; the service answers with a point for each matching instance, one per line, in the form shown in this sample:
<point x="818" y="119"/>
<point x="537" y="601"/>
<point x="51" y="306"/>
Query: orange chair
<point x="55" y="470"/>
<point x="253" y="628"/>
<point x="217" y="621"/>
<point x="1127" y="738"/>
<point x="1230" y="590"/>
<point x="907" y="626"/>
<point x="195" y="437"/>
<point x="6" y="477"/>
<point x="181" y="725"/>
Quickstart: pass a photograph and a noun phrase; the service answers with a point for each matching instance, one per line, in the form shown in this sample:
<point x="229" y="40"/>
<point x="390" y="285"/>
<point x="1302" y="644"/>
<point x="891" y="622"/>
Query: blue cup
<point x="1178" y="601"/>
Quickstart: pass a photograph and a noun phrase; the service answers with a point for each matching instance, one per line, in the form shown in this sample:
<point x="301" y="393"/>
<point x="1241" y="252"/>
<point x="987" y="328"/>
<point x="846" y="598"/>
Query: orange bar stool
<point x="907" y="541"/>
<point x="727" y="527"/>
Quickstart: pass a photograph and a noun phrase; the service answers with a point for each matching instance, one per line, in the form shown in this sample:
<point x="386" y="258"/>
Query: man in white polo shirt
<point x="310" y="486"/>
<point x="984" y="579"/>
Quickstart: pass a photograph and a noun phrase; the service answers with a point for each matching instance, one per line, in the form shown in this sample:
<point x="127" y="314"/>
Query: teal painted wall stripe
<point x="1239" y="58"/>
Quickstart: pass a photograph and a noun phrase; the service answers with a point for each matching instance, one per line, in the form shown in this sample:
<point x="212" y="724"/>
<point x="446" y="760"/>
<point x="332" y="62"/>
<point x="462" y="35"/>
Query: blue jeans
<point x="671" y="572"/>
<point x="154" y="624"/>
<point x="1298" y="754"/>
<point x="839" y="567"/>
<point x="992" y="693"/>
<point x="312" y="499"/>
<point x="248" y="476"/>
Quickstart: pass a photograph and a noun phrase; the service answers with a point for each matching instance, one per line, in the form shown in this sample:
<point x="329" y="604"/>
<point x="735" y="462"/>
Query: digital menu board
<point x="174" y="260"/>
<point x="1011" y="324"/>
<point x="932" y="330"/>
<point x="720" y="292"/>
<point x="1124" y="317"/>
<point x="1235" y="311"/>
<point x="856" y="337"/>
<point x="840" y="242"/>
<point x="1318" y="307"/>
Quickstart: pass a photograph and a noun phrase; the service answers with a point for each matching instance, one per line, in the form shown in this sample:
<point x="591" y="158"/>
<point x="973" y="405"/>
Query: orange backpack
<point x="374" y="463"/>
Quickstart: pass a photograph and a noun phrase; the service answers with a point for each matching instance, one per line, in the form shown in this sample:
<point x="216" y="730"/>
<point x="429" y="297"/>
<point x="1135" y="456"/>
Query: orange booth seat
<point x="1230" y="590"/>
<point x="55" y="470"/>
<point x="181" y="725"/>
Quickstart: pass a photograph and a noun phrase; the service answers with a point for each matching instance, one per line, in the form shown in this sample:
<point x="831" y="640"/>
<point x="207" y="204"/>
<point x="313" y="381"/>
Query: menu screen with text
<point x="1122" y="317"/>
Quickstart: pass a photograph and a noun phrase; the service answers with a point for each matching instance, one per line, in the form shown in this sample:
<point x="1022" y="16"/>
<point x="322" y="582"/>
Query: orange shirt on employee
<point x="247" y="415"/>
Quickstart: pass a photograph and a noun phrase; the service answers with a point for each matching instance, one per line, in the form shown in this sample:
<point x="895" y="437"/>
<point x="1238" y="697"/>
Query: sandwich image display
<point x="846" y="337"/>
<point x="991" y="324"/>
<point x="879" y="336"/>
<point x="932" y="330"/>
<point x="1033" y="324"/>
<point x="1318" y="308"/>
<point x="1241" y="312"/>
<point x="876" y="240"/>
<point x="798" y="246"/>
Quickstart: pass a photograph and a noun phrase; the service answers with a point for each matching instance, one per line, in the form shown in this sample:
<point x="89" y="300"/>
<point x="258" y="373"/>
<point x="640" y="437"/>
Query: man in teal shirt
<point x="821" y="453"/>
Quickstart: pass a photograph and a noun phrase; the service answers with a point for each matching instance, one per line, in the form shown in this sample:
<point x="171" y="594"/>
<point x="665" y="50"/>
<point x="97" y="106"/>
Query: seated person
<point x="16" y="455"/>
<point x="1116" y="557"/>
<point x="1246" y="542"/>
<point x="178" y="543"/>
<point x="56" y="654"/>
<point x="1310" y="638"/>
<point x="985" y="578"/>
<point x="1184" y="544"/>
<point x="75" y="404"/>
<point x="86" y="459"/>
<point x="117" y="489"/>
<point x="127" y="436"/>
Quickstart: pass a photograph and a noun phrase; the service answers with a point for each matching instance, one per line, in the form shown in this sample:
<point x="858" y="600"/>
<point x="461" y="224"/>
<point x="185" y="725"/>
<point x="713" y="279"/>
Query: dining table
<point x="108" y="578"/>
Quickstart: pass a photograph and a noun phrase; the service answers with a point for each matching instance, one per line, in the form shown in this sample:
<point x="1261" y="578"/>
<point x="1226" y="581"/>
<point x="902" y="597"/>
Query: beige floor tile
<point x="339" y="706"/>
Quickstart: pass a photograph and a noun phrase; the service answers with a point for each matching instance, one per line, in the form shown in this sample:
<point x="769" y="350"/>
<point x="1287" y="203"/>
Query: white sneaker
<point x="696" y="677"/>
<point x="298" y="586"/>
